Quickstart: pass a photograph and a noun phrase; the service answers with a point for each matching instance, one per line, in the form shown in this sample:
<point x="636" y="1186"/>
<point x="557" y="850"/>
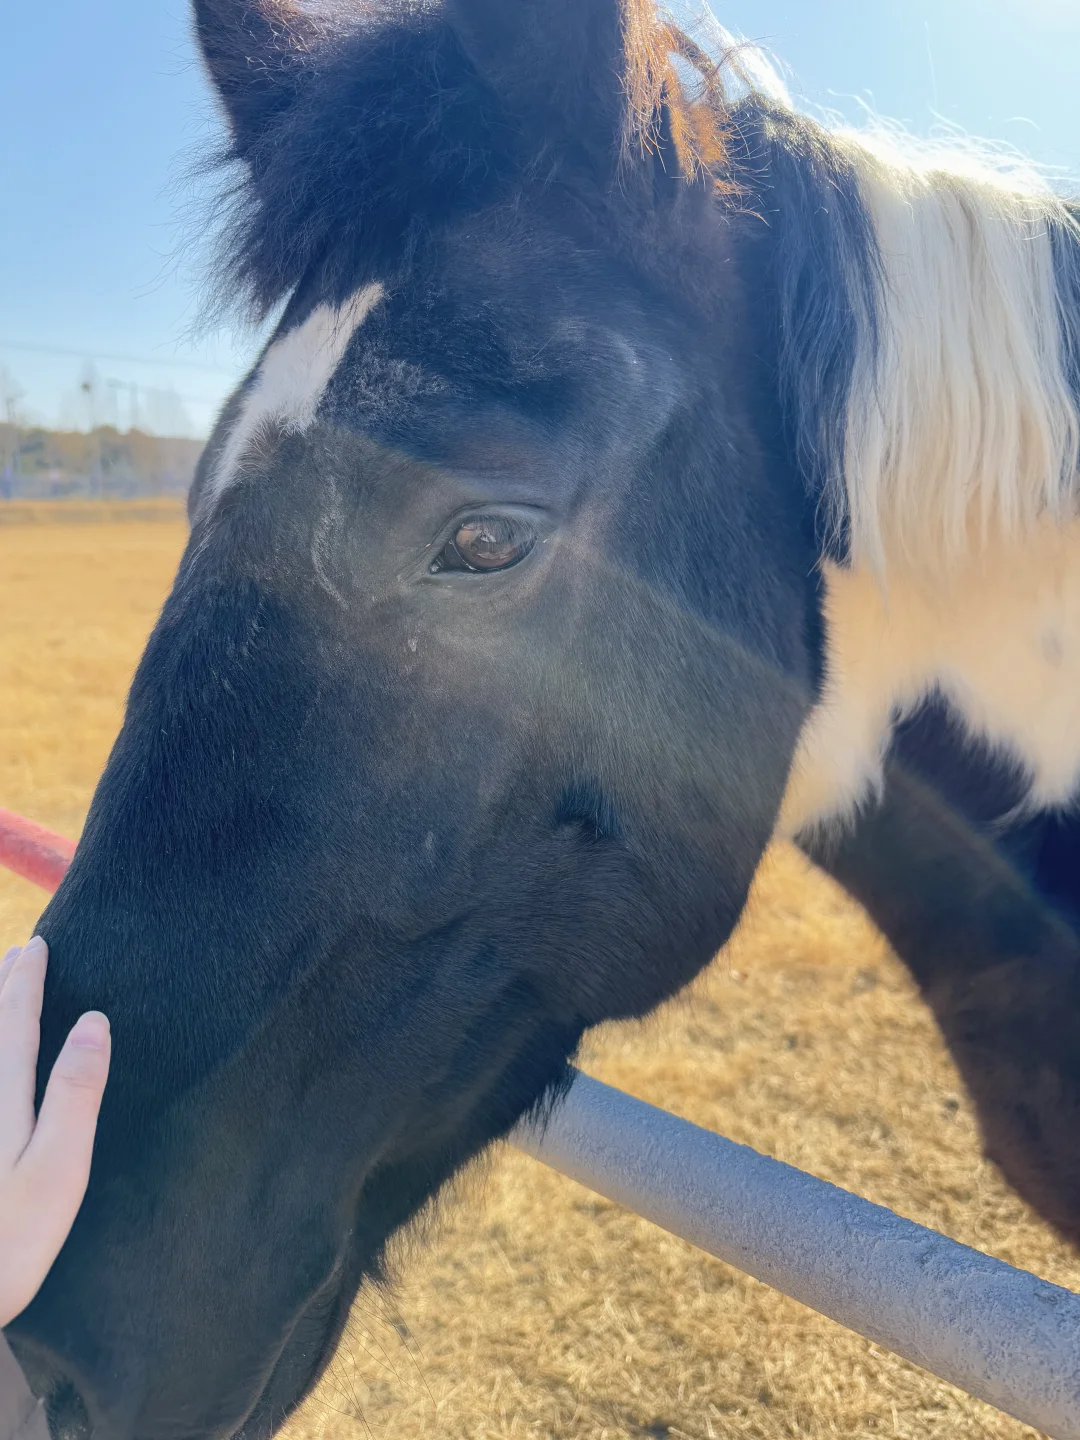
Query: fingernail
<point x="34" y="946"/>
<point x="91" y="1031"/>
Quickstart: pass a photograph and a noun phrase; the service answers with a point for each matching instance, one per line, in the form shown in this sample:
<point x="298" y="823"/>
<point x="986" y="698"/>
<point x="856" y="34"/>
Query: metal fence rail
<point x="37" y="854"/>
<point x="997" y="1332"/>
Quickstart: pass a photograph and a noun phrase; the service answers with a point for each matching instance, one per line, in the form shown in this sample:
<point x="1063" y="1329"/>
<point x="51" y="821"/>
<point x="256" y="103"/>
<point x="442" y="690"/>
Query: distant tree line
<point x="36" y="463"/>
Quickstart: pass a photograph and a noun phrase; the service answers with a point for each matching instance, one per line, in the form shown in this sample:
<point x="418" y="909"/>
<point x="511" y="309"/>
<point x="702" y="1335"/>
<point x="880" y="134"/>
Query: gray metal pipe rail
<point x="999" y="1333"/>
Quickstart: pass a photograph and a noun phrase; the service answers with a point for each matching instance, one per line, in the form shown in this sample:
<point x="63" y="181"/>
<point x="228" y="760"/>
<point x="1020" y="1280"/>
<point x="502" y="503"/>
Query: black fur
<point x="571" y="115"/>
<point x="985" y="784"/>
<point x="815" y="253"/>
<point x="984" y="912"/>
<point x="351" y="141"/>
<point x="354" y="143"/>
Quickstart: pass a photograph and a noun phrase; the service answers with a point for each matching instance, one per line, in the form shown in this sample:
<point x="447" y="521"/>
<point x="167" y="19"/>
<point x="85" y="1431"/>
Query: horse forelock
<point x="385" y="128"/>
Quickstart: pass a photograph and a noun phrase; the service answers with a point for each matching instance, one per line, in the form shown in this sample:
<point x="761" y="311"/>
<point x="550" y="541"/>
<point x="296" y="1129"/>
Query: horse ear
<point x="256" y="52"/>
<point x="558" y="66"/>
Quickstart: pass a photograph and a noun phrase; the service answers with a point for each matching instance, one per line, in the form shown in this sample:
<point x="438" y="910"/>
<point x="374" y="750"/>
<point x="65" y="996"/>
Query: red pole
<point x="37" y="854"/>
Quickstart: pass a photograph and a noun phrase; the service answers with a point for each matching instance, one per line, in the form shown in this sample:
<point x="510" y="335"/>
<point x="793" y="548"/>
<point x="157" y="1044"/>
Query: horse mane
<point x="964" y="418"/>
<point x="928" y="299"/>
<point x="697" y="124"/>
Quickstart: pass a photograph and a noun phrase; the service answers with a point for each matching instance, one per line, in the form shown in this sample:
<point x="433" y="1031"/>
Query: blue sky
<point x="103" y="106"/>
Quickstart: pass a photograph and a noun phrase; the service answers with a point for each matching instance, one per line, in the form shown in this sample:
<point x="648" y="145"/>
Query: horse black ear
<point x="256" y="52"/>
<point x="558" y="66"/>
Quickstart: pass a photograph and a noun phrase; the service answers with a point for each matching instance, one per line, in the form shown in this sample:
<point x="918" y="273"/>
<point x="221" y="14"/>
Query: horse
<point x="637" y="470"/>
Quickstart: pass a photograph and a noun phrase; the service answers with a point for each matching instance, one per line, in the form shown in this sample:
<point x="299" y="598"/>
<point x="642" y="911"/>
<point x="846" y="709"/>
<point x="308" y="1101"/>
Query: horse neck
<point x="957" y="479"/>
<point x="997" y="636"/>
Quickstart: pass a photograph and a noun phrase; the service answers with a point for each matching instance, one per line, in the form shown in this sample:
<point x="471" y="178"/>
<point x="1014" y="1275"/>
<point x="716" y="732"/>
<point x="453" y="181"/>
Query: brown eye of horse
<point x="484" y="543"/>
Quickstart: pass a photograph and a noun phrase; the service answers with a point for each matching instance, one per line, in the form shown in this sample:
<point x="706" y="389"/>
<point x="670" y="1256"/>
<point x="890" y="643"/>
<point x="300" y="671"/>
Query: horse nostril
<point x="57" y="1379"/>
<point x="66" y="1413"/>
<point x="64" y="1410"/>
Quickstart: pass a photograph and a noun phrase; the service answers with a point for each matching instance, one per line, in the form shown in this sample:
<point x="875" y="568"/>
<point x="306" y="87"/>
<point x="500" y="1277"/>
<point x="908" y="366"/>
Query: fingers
<point x="7" y="962"/>
<point x="44" y="1168"/>
<point x="20" y="1012"/>
<point x="40" y="1196"/>
<point x="56" y="1163"/>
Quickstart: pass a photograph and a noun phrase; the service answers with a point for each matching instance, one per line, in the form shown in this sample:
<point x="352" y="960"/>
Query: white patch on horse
<point x="999" y="638"/>
<point x="961" y="424"/>
<point x="292" y="379"/>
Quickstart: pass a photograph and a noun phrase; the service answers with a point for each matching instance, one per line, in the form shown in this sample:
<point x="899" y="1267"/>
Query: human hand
<point x="44" y="1164"/>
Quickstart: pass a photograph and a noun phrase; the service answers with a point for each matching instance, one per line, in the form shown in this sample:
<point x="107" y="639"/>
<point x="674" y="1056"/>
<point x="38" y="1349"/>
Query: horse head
<point x="471" y="709"/>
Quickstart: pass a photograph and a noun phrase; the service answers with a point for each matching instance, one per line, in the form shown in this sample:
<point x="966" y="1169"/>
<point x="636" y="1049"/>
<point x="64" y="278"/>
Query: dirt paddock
<point x="534" y="1309"/>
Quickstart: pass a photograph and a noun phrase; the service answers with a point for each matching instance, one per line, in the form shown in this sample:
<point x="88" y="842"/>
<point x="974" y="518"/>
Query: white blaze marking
<point x="292" y="379"/>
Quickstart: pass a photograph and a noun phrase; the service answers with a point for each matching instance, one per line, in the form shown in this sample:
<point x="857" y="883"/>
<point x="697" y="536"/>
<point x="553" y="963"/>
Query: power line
<point x="89" y="354"/>
<point x="114" y="384"/>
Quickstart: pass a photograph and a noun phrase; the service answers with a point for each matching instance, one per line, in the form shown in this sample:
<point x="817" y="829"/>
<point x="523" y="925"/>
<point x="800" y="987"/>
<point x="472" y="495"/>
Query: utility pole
<point x="9" y="485"/>
<point x="89" y="387"/>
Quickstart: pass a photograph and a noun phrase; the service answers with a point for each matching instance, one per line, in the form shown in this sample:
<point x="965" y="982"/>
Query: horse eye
<point x="484" y="543"/>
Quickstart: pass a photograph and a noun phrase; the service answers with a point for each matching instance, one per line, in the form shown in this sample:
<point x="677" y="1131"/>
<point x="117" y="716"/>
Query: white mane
<point x="961" y="425"/>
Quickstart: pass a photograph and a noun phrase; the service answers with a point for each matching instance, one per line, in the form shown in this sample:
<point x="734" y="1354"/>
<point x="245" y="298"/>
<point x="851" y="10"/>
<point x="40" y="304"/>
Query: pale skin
<point x="44" y="1160"/>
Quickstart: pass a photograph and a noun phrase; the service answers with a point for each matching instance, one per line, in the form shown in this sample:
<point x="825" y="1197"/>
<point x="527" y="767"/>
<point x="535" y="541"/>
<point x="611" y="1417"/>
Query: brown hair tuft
<point x="652" y="44"/>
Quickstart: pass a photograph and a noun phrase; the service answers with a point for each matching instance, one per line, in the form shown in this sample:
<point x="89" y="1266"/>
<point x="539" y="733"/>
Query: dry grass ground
<point x="536" y="1309"/>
